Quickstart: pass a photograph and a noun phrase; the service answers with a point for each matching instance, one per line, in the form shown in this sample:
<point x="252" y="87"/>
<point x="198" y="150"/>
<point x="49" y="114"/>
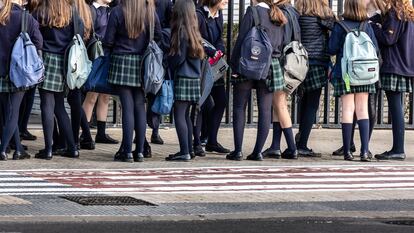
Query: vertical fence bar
<point x="230" y="21"/>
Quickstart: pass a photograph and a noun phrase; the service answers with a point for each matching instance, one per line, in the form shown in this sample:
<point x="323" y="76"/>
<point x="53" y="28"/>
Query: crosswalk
<point x="204" y="180"/>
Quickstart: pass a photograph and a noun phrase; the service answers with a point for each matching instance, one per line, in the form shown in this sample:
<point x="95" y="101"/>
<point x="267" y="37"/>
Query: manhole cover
<point x="108" y="200"/>
<point x="401" y="222"/>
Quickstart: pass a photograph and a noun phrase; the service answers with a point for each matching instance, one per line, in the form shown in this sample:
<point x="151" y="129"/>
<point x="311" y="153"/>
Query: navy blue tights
<point x="11" y="119"/>
<point x="395" y="105"/>
<point x="183" y="125"/>
<point x="309" y="105"/>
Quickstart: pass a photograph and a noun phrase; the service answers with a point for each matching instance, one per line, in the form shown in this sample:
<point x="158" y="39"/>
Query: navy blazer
<point x="211" y="30"/>
<point x="396" y="41"/>
<point x="182" y="65"/>
<point x="164" y="11"/>
<point x="11" y="31"/>
<point x="117" y="41"/>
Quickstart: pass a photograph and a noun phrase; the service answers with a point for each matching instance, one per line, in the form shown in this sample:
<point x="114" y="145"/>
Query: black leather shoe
<point x="13" y="146"/>
<point x="87" y="145"/>
<point x="288" y="154"/>
<point x="147" y="150"/>
<point x="138" y="157"/>
<point x="349" y="156"/>
<point x="105" y="139"/>
<point x="389" y="155"/>
<point x="271" y="153"/>
<point x="179" y="158"/>
<point x="204" y="141"/>
<point x="218" y="148"/>
<point x="156" y="139"/>
<point x="365" y="157"/>
<point x="17" y="155"/>
<point x="308" y="153"/>
<point x="340" y="151"/>
<point x="43" y="154"/>
<point x="3" y="156"/>
<point x="71" y="154"/>
<point x="236" y="156"/>
<point x="124" y="157"/>
<point x="255" y="157"/>
<point x="198" y="151"/>
<point x="27" y="136"/>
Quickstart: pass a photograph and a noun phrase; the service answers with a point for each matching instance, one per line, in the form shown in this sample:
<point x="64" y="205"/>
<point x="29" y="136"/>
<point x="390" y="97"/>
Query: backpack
<point x="165" y="99"/>
<point x="95" y="47"/>
<point x="78" y="66"/>
<point x="360" y="63"/>
<point x="295" y="60"/>
<point x="256" y="52"/>
<point x="26" y="66"/>
<point x="152" y="63"/>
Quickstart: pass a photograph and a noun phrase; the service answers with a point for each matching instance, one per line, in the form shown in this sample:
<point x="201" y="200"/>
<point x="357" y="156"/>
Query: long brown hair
<point x="276" y="14"/>
<point x="55" y="13"/>
<point x="5" y="11"/>
<point x="86" y="16"/>
<point x="355" y="10"/>
<point x="137" y="13"/>
<point x="316" y="8"/>
<point x="184" y="22"/>
<point x="403" y="8"/>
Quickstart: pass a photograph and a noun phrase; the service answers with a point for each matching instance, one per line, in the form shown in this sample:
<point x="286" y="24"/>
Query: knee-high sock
<point x="364" y="134"/>
<point x="346" y="136"/>
<point x="290" y="139"/>
<point x="264" y="102"/>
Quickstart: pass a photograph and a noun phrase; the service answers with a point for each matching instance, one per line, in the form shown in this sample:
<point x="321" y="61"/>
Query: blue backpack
<point x="26" y="66"/>
<point x="256" y="52"/>
<point x="164" y="101"/>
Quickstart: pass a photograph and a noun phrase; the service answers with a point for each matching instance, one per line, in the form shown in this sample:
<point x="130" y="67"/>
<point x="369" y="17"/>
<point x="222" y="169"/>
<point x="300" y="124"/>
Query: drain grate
<point x="108" y="201"/>
<point x="401" y="222"/>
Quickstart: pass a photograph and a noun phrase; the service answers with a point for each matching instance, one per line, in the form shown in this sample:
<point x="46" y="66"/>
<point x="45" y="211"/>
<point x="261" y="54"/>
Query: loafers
<point x="179" y="158"/>
<point x="235" y="156"/>
<point x="255" y="157"/>
<point x="365" y="157"/>
<point x="348" y="156"/>
<point x="147" y="150"/>
<point x="124" y="157"/>
<point x="71" y="154"/>
<point x="199" y="152"/>
<point x="389" y="155"/>
<point x="85" y="145"/>
<point x="3" y="156"/>
<point x="272" y="153"/>
<point x="17" y="155"/>
<point x="105" y="139"/>
<point x="156" y="139"/>
<point x="27" y="136"/>
<point x="218" y="148"/>
<point x="340" y="151"/>
<point x="43" y="154"/>
<point x="288" y="154"/>
<point x="138" y="157"/>
<point x="308" y="153"/>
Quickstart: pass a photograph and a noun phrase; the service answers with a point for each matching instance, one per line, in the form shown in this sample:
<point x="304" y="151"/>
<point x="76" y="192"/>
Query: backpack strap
<point x="363" y="26"/>
<point x="75" y="21"/>
<point x="345" y="27"/>
<point x="256" y="18"/>
<point x="25" y="21"/>
<point x="151" y="29"/>
<point x="295" y="28"/>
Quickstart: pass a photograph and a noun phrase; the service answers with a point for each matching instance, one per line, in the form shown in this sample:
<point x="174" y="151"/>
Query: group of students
<point x="179" y="29"/>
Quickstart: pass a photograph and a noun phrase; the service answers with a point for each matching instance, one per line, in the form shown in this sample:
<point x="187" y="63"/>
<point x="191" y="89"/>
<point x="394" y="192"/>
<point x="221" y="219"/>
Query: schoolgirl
<point x="316" y="20"/>
<point x="282" y="122"/>
<point x="397" y="71"/>
<point x="185" y="62"/>
<point x="11" y="12"/>
<point x="100" y="15"/>
<point x="273" y="20"/>
<point x="57" y="27"/>
<point x="126" y="38"/>
<point x="354" y="100"/>
<point x="210" y="22"/>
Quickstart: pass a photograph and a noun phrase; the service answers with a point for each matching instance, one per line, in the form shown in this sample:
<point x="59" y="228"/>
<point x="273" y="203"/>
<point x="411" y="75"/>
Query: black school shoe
<point x="3" y="156"/>
<point x="348" y="156"/>
<point x="272" y="153"/>
<point x="306" y="152"/>
<point x="138" y="157"/>
<point x="366" y="157"/>
<point x="124" y="157"/>
<point x="235" y="156"/>
<point x="27" y="136"/>
<point x="218" y="148"/>
<point x="71" y="154"/>
<point x="105" y="139"/>
<point x="340" y="151"/>
<point x="13" y="146"/>
<point x="87" y="145"/>
<point x="17" y="155"/>
<point x="288" y="154"/>
<point x="147" y="150"/>
<point x="389" y="155"/>
<point x="43" y="154"/>
<point x="156" y="139"/>
<point x="179" y="158"/>
<point x="255" y="157"/>
<point x="199" y="151"/>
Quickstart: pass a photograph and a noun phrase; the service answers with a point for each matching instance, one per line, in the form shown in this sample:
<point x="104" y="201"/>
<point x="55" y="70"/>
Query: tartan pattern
<point x="125" y="70"/>
<point x="5" y="85"/>
<point x="398" y="83"/>
<point x="340" y="89"/>
<point x="187" y="89"/>
<point x="275" y="81"/>
<point x="54" y="77"/>
<point x="316" y="78"/>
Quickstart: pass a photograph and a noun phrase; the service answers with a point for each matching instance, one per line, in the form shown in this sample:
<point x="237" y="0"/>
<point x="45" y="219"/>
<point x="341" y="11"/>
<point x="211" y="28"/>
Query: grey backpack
<point x="295" y="60"/>
<point x="153" y="69"/>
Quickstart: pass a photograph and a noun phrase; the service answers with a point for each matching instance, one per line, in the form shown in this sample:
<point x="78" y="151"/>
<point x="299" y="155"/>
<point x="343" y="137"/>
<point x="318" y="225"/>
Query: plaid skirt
<point x="275" y="82"/>
<point x="125" y="70"/>
<point x="54" y="75"/>
<point x="6" y="86"/>
<point x="340" y="88"/>
<point x="398" y="83"/>
<point x="316" y="78"/>
<point x="187" y="89"/>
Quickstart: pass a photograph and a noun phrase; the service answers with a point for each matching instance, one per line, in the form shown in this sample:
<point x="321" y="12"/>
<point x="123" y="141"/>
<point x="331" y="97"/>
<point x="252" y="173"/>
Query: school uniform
<point x="264" y="88"/>
<point x="125" y="74"/>
<point x="163" y="8"/>
<point x="11" y="96"/>
<point x="336" y="44"/>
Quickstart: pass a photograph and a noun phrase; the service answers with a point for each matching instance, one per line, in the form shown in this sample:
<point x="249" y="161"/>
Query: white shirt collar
<point x="209" y="13"/>
<point x="264" y="5"/>
<point x="97" y="5"/>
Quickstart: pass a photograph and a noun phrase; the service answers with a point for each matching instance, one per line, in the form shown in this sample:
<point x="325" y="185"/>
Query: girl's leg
<point x="181" y="115"/>
<point x="65" y="127"/>
<point x="75" y="102"/>
<point x="219" y="96"/>
<point x="372" y="111"/>
<point x="397" y="119"/>
<point x="89" y="104"/>
<point x="197" y="117"/>
<point x="127" y="102"/>
<point x="26" y="111"/>
<point x="140" y="119"/>
<point x="361" y="109"/>
<point x="243" y="93"/>
<point x="47" y="107"/>
<point x="309" y="106"/>
<point x="11" y="120"/>
<point x="281" y="106"/>
<point x="348" y="110"/>
<point x="101" y="115"/>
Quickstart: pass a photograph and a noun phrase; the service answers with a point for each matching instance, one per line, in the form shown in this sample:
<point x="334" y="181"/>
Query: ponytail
<point x="276" y="15"/>
<point x="5" y="9"/>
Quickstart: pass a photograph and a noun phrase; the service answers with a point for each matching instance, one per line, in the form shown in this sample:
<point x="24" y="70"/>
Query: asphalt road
<point x="222" y="226"/>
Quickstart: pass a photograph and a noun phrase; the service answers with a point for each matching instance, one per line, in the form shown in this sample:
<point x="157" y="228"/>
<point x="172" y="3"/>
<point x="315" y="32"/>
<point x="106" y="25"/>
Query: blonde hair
<point x="53" y="13"/>
<point x="5" y="10"/>
<point x="317" y="8"/>
<point x="86" y="16"/>
<point x="276" y="14"/>
<point x="403" y="8"/>
<point x="355" y="10"/>
<point x="137" y="13"/>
